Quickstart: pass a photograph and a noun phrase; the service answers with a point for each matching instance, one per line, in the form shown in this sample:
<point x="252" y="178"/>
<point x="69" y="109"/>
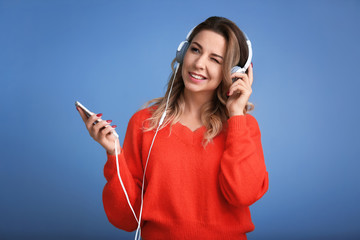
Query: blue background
<point x="115" y="55"/>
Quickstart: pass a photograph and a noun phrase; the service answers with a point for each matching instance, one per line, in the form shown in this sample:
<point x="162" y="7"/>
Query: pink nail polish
<point x="99" y="115"/>
<point x="108" y="121"/>
<point x="77" y="108"/>
<point x="114" y="126"/>
<point x="252" y="64"/>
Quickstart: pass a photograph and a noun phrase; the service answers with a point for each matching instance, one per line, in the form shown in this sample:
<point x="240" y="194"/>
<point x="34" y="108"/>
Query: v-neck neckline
<point x="193" y="131"/>
<point x="187" y="135"/>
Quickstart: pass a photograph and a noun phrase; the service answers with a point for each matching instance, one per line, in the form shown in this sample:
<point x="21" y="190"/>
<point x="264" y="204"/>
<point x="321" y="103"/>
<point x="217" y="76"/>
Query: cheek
<point x="218" y="75"/>
<point x="184" y="65"/>
<point x="183" y="71"/>
<point x="219" y="80"/>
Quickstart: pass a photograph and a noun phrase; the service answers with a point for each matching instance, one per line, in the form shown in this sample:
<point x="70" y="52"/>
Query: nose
<point x="200" y="62"/>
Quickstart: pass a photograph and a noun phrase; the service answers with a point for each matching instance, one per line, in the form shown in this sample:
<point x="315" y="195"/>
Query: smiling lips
<point x="196" y="77"/>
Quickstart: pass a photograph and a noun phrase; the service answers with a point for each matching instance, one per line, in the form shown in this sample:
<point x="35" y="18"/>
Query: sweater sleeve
<point x="243" y="177"/>
<point x="115" y="204"/>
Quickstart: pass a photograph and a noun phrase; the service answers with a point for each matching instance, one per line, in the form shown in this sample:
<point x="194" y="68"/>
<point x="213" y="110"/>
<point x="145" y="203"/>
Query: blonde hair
<point x="214" y="113"/>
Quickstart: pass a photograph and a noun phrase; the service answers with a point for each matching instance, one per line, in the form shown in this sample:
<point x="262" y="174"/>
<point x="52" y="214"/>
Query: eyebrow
<point x="214" y="54"/>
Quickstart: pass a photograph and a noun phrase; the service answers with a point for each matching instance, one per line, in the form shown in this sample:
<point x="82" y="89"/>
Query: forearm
<point x="115" y="202"/>
<point x="243" y="177"/>
<point x="244" y="181"/>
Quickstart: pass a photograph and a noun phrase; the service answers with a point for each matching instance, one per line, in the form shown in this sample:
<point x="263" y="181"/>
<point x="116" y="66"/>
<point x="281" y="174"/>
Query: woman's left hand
<point x="239" y="92"/>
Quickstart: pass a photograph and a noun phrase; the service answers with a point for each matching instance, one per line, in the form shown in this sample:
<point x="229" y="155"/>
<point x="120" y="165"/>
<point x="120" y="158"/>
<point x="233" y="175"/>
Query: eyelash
<point x="194" y="49"/>
<point x="215" y="60"/>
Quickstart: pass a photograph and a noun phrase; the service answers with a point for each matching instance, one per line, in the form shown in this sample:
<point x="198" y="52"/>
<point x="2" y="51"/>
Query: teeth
<point x="196" y="76"/>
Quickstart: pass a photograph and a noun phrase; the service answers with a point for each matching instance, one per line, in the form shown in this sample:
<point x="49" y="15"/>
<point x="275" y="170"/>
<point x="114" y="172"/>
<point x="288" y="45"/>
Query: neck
<point x="194" y="103"/>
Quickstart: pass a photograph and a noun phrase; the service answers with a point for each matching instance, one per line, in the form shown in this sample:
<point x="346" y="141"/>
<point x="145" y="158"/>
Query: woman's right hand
<point x="101" y="131"/>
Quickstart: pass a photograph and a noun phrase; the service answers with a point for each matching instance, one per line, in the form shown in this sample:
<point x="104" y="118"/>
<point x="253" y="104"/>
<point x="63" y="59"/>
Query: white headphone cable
<point x="138" y="230"/>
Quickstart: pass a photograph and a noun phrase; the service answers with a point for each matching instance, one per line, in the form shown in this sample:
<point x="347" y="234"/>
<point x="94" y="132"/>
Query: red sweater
<point x="191" y="192"/>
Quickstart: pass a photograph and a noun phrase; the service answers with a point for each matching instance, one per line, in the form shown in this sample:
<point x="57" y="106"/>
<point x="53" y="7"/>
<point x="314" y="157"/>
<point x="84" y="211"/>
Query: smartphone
<point x="89" y="113"/>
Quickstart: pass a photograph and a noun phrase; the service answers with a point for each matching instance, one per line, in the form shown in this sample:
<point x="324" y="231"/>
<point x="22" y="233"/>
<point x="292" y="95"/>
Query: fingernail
<point x="77" y="108"/>
<point x="252" y="64"/>
<point x="108" y="121"/>
<point x="228" y="93"/>
<point x="99" y="115"/>
<point x="114" y="126"/>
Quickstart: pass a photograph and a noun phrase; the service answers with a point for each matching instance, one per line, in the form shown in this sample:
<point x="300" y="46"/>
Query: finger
<point x="241" y="88"/>
<point x="236" y="94"/>
<point x="246" y="80"/>
<point x="237" y="87"/>
<point x="92" y="120"/>
<point x="96" y="130"/>
<point x="108" y="130"/>
<point x="251" y="74"/>
<point x="242" y="76"/>
<point x="100" y="125"/>
<point x="238" y="75"/>
<point x="240" y="92"/>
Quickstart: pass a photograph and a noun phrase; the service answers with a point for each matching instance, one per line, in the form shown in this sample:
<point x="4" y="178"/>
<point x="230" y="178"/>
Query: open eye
<point x="195" y="50"/>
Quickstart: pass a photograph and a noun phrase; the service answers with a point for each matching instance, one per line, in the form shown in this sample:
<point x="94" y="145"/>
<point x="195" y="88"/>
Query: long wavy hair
<point x="214" y="113"/>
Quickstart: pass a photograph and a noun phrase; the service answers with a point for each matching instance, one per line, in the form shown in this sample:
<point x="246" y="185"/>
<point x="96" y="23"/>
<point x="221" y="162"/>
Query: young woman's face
<point x="202" y="66"/>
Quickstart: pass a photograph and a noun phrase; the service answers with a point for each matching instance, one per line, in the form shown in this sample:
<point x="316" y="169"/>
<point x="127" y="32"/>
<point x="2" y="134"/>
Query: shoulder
<point x="140" y="116"/>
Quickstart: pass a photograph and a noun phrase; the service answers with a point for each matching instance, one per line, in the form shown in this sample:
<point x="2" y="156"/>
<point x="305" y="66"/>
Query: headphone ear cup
<point x="237" y="69"/>
<point x="181" y="51"/>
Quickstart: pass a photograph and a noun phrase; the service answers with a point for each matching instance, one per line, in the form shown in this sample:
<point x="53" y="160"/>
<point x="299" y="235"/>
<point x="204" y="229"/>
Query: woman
<point x="206" y="166"/>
